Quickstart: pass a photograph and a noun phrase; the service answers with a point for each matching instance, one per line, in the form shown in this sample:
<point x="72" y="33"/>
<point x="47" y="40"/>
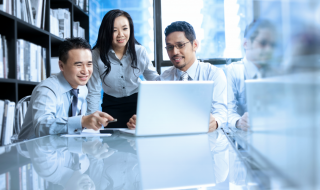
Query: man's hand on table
<point x="213" y="125"/>
<point x="132" y="122"/>
<point x="97" y="149"/>
<point x="242" y="123"/>
<point x="95" y="120"/>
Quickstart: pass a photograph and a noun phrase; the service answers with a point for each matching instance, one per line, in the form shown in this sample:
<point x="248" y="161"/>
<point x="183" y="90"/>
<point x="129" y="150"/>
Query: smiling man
<point x="259" y="44"/>
<point x="181" y="45"/>
<point x="58" y="104"/>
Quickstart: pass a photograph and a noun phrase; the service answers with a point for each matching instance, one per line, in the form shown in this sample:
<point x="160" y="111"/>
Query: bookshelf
<point x="14" y="28"/>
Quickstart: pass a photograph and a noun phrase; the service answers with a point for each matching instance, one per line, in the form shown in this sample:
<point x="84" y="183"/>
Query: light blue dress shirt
<point x="48" y="110"/>
<point x="52" y="158"/>
<point x="200" y="71"/>
<point x="237" y="73"/>
<point x="123" y="80"/>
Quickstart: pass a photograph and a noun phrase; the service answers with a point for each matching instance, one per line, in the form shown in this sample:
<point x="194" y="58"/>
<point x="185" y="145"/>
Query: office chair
<point x="19" y="117"/>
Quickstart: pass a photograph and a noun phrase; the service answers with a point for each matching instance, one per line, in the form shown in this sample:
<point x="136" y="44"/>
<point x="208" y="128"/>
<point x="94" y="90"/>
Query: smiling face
<point x="260" y="49"/>
<point x="121" y="32"/>
<point x="78" y="68"/>
<point x="184" y="57"/>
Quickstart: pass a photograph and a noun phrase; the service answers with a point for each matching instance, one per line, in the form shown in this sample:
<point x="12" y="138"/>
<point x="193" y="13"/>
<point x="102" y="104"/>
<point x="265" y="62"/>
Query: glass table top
<point x="201" y="161"/>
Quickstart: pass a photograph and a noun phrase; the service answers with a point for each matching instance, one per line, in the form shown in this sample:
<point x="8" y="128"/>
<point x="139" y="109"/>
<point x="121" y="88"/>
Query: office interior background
<point x="284" y="134"/>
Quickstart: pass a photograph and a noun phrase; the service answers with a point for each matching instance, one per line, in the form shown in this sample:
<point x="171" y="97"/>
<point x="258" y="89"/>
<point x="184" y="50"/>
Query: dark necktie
<point x="74" y="102"/>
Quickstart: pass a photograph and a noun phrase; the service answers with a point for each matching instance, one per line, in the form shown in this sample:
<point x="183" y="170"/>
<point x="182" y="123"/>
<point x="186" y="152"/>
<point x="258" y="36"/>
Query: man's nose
<point x="175" y="50"/>
<point x="85" y="69"/>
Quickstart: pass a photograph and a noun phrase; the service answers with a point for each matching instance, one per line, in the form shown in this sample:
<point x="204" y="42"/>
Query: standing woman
<point x="118" y="61"/>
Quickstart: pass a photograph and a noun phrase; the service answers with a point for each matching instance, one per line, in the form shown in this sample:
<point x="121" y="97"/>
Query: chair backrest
<point x="19" y="114"/>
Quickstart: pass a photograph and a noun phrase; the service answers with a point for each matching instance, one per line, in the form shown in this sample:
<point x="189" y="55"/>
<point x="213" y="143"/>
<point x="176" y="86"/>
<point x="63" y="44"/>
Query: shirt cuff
<point x="75" y="145"/>
<point x="233" y="122"/>
<point x="219" y="123"/>
<point x="74" y="125"/>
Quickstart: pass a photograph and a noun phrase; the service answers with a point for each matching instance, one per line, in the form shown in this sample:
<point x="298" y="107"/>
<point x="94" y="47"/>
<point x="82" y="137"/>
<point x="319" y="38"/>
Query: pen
<point x="114" y="120"/>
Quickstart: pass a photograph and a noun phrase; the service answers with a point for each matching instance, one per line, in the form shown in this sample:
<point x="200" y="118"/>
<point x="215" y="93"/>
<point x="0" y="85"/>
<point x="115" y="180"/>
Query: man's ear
<point x="61" y="65"/>
<point x="246" y="43"/>
<point x="195" y="44"/>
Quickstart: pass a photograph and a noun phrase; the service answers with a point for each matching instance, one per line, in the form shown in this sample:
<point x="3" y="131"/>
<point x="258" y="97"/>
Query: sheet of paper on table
<point x="87" y="133"/>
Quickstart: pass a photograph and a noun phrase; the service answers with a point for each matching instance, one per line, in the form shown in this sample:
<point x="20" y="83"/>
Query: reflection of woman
<point x="118" y="61"/>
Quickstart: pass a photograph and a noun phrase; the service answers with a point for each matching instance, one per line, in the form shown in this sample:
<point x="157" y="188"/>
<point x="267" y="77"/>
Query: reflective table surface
<point x="201" y="161"/>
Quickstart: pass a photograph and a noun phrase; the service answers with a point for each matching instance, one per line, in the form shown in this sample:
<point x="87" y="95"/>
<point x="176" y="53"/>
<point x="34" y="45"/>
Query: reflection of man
<point x="259" y="43"/>
<point x="58" y="104"/>
<point x="181" y="45"/>
<point x="63" y="161"/>
<point x="219" y="146"/>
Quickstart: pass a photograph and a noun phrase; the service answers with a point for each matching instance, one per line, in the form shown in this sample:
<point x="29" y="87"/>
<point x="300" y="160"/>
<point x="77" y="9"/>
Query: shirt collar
<point x="112" y="51"/>
<point x="250" y="67"/>
<point x="191" y="71"/>
<point x="64" y="84"/>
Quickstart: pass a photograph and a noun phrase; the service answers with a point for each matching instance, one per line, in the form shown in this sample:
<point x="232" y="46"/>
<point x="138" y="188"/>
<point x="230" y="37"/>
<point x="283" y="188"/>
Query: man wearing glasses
<point x="181" y="45"/>
<point x="259" y="44"/>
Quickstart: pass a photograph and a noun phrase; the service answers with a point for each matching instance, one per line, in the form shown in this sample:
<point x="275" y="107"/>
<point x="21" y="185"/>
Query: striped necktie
<point x="185" y="77"/>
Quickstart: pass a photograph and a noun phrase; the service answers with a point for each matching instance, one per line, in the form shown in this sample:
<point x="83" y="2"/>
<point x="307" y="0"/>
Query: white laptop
<point x="175" y="162"/>
<point x="173" y="107"/>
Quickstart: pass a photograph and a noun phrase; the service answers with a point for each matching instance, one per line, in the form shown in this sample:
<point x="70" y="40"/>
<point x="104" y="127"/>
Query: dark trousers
<point x="120" y="108"/>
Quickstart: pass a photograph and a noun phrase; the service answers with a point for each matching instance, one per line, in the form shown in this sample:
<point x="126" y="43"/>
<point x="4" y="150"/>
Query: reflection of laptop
<point x="175" y="162"/>
<point x="173" y="107"/>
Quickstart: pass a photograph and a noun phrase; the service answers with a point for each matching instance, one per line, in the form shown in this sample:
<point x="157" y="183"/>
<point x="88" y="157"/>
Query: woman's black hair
<point x="105" y="37"/>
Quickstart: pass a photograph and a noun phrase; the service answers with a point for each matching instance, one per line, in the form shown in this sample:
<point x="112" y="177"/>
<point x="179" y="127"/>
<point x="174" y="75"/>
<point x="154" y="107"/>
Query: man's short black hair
<point x="69" y="44"/>
<point x="181" y="26"/>
<point x="252" y="30"/>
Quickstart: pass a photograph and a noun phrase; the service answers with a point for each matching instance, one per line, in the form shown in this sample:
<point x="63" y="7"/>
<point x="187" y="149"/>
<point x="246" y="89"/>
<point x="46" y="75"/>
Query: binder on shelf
<point x="54" y="23"/>
<point x="1" y="59"/>
<point x="43" y="14"/>
<point x="1" y="116"/>
<point x="7" y="123"/>
<point x="64" y="22"/>
<point x="78" y="31"/>
<point x="43" y="65"/>
<point x="3" y="5"/>
<point x="29" y="12"/>
<point x="5" y="57"/>
<point x="37" y="6"/>
<point x="31" y="65"/>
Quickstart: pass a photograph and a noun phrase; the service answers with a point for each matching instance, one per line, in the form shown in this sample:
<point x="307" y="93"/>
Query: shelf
<point x="2" y="80"/>
<point x="27" y="82"/>
<point x="32" y="33"/>
<point x="6" y="15"/>
<point x="78" y="10"/>
<point x="15" y="28"/>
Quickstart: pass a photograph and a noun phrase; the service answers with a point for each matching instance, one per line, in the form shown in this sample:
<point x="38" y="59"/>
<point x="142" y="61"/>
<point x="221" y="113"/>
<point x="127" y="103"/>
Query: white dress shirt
<point x="237" y="73"/>
<point x="200" y="71"/>
<point x="122" y="80"/>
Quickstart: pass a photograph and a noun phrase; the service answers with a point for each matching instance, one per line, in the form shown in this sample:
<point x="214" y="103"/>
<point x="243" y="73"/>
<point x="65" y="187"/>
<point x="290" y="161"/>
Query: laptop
<point x="175" y="162"/>
<point x="173" y="107"/>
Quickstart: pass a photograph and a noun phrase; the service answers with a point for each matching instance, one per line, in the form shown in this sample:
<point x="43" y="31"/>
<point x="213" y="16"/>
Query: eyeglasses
<point x="178" y="46"/>
<point x="264" y="43"/>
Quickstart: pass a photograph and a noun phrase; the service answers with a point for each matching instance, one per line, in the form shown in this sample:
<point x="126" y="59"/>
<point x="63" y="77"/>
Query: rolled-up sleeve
<point x="94" y="86"/>
<point x="46" y="121"/>
<point x="219" y="103"/>
<point x="233" y="116"/>
<point x="149" y="72"/>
